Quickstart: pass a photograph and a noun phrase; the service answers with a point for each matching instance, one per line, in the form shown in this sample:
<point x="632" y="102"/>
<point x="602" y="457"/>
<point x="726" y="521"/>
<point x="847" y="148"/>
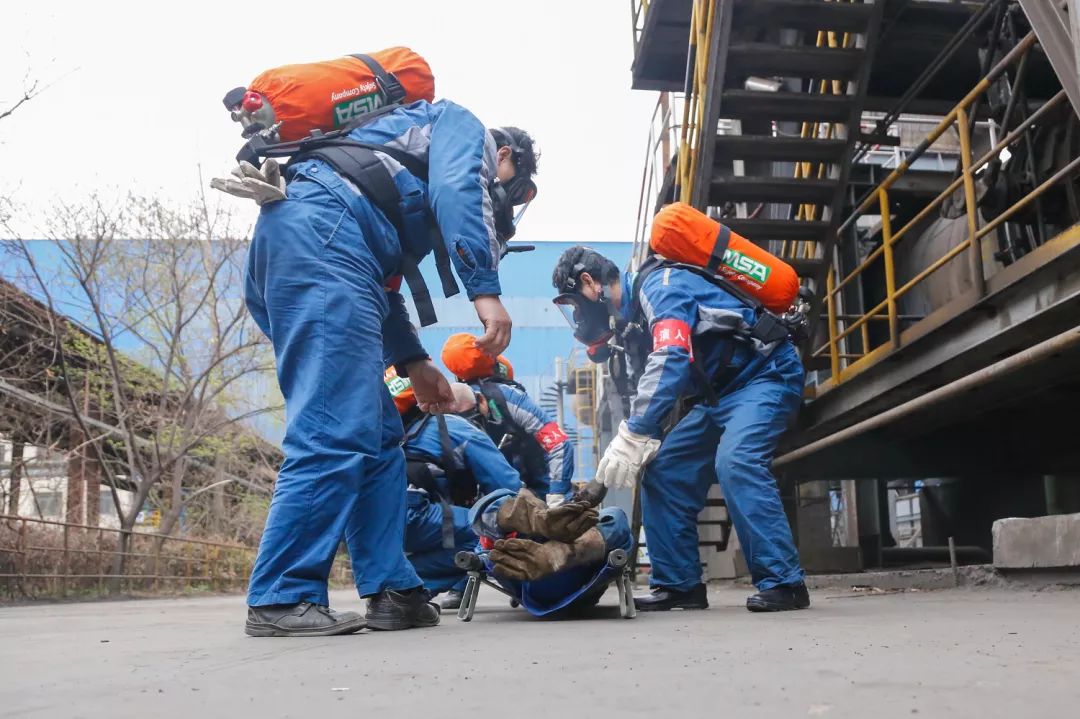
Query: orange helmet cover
<point x="468" y="362"/>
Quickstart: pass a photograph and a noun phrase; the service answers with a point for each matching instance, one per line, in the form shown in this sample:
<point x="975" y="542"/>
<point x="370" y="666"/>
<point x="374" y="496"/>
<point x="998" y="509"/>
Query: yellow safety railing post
<point x="890" y="266"/>
<point x="975" y="249"/>
<point x="830" y="304"/>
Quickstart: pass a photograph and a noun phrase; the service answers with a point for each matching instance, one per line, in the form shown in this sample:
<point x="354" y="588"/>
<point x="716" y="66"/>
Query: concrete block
<point x="831" y="560"/>
<point x="1037" y="543"/>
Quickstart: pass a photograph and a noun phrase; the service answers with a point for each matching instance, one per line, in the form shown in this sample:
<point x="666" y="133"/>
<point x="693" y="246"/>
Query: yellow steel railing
<point x="694" y="105"/>
<point x="824" y="130"/>
<point x="663" y="139"/>
<point x="846" y="364"/>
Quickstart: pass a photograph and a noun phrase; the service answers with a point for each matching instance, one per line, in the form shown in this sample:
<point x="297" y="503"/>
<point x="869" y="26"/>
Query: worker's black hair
<point x="526" y="156"/>
<point x="580" y="259"/>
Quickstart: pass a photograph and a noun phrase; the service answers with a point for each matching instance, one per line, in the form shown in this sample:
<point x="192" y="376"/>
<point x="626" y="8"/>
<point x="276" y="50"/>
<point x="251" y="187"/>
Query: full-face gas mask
<point x="590" y="319"/>
<point x="518" y="192"/>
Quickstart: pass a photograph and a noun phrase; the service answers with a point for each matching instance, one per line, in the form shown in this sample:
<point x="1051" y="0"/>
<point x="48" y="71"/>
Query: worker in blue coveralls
<point x="695" y="341"/>
<point x="527" y="434"/>
<point x="548" y="558"/>
<point x="338" y="229"/>
<point x="450" y="462"/>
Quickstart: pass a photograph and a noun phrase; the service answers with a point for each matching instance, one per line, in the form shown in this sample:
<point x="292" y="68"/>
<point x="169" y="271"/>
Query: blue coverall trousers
<point x="424" y="542"/>
<point x="315" y="288"/>
<point x="732" y="442"/>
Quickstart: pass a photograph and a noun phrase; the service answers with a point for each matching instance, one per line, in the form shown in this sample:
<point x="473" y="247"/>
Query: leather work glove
<point x="527" y="561"/>
<point x="625" y="458"/>
<point x="591" y="494"/>
<point x="262" y="185"/>
<point x="526" y="514"/>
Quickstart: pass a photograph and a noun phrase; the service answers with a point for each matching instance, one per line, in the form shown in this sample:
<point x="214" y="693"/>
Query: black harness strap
<point x="358" y="162"/>
<point x="389" y="86"/>
<point x="717" y="257"/>
<point x="419" y="474"/>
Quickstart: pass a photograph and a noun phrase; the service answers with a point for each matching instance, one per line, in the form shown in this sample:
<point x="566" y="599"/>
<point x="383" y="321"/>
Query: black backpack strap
<point x="653" y="263"/>
<point x="363" y="168"/>
<point x="492" y="391"/>
<point x="425" y="308"/>
<point x="463" y="486"/>
<point x="389" y="86"/>
<point x="419" y="474"/>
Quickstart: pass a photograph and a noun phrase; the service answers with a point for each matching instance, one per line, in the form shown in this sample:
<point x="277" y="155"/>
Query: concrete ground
<point x="953" y="653"/>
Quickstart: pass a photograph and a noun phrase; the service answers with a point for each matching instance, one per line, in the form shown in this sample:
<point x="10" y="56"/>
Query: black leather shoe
<point x="661" y="599"/>
<point x="781" y="598"/>
<point x="390" y="610"/>
<point x="300" y="620"/>
<point x="451" y="600"/>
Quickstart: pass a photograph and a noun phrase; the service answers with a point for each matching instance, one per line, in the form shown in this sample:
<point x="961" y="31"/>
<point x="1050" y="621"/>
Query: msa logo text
<point x="347" y="111"/>
<point x="397" y="385"/>
<point x="746" y="265"/>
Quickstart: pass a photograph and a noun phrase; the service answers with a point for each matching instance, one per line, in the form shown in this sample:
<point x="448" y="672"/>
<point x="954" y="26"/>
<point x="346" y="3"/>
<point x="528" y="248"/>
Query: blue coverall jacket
<point x="526" y="416"/>
<point x="693" y="320"/>
<point x="474" y="453"/>
<point x="321" y="286"/>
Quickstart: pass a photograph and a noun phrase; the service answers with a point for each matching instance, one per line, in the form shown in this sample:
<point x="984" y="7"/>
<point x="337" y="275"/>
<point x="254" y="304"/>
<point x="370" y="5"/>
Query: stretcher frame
<point x="618" y="562"/>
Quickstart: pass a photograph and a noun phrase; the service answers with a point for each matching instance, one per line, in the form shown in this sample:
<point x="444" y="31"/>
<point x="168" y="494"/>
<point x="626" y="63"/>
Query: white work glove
<point x="625" y="458"/>
<point x="263" y="186"/>
<point x="554" y="500"/>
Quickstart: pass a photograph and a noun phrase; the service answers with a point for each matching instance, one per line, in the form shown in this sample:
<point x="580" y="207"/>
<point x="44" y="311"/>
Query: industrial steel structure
<point x="917" y="162"/>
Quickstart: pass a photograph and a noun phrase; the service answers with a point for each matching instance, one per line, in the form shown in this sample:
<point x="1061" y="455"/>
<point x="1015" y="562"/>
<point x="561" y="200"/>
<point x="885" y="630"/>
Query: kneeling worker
<point x="702" y="339"/>
<point x="527" y="434"/>
<point x="449" y="462"/>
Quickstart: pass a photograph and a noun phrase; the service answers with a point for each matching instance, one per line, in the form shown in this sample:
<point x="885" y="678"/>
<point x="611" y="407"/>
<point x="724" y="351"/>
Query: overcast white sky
<point x="136" y="102"/>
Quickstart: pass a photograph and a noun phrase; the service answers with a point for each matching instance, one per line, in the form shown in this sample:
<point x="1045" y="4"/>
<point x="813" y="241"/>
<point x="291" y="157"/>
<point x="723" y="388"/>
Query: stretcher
<point x="617" y="569"/>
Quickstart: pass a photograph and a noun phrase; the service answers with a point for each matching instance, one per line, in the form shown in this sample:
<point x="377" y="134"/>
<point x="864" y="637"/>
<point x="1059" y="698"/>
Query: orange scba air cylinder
<point x="326" y="95"/>
<point x="684" y="234"/>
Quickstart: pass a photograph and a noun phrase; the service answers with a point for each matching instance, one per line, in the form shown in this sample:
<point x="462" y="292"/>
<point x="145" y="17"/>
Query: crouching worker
<point x="528" y="436"/>
<point x="549" y="559"/>
<point x="694" y="335"/>
<point x="449" y="462"/>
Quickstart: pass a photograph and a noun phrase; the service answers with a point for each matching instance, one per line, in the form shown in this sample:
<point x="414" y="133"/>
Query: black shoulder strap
<point x="359" y="163"/>
<point x="493" y="392"/>
<point x="389" y="87"/>
<point x="650" y="265"/>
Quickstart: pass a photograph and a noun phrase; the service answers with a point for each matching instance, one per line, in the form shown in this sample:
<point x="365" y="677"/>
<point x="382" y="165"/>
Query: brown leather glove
<point x="526" y="560"/>
<point x="526" y="514"/>
<point x="592" y="494"/>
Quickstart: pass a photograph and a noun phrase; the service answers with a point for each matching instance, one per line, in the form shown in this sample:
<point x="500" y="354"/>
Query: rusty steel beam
<point x="1010" y="365"/>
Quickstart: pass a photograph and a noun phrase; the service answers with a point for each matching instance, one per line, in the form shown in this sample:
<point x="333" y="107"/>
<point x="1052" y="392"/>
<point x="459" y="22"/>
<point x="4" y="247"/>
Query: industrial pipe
<point x="1020" y="360"/>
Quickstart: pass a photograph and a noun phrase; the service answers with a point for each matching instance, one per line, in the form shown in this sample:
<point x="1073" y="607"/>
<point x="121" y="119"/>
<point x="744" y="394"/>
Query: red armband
<point x="550" y="436"/>
<point x="393" y="284"/>
<point x="672" y="333"/>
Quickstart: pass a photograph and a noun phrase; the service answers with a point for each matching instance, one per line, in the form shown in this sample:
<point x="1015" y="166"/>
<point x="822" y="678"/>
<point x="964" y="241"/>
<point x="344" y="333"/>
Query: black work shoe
<point x="781" y="598"/>
<point x="451" y="600"/>
<point x="390" y="610"/>
<point x="300" y="620"/>
<point x="661" y="599"/>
